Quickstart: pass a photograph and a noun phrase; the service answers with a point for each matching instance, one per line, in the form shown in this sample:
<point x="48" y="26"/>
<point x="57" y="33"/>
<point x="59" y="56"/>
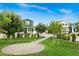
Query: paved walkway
<point x="40" y="40"/>
<point x="26" y="48"/>
<point x="77" y="38"/>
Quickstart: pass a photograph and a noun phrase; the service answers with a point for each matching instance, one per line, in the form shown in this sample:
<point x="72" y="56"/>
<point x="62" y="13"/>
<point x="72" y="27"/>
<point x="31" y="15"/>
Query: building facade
<point x="65" y="27"/>
<point x="28" y="26"/>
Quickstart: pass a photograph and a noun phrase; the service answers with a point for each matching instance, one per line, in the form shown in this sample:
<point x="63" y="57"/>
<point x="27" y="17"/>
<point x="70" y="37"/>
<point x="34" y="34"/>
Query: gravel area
<point x="26" y="48"/>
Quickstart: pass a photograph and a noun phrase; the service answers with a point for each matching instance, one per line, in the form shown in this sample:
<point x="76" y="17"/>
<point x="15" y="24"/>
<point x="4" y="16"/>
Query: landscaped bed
<point x="8" y="41"/>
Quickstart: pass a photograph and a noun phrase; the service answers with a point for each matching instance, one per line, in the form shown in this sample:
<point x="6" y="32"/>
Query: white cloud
<point x="41" y="8"/>
<point x="66" y="11"/>
<point x="37" y="7"/>
<point x="67" y="18"/>
<point x="24" y="12"/>
<point x="23" y="5"/>
<point x="68" y="14"/>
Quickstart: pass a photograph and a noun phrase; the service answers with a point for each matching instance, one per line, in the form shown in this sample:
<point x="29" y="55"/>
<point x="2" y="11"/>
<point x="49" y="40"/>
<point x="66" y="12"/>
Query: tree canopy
<point x="40" y="28"/>
<point x="10" y="23"/>
<point x="54" y="27"/>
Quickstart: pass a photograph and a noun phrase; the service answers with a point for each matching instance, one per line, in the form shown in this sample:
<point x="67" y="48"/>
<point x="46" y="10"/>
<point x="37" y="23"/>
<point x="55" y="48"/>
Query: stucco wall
<point x="2" y="35"/>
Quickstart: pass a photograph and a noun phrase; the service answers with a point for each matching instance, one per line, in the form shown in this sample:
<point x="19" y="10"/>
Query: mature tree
<point x="54" y="28"/>
<point x="40" y="28"/>
<point x="10" y="23"/>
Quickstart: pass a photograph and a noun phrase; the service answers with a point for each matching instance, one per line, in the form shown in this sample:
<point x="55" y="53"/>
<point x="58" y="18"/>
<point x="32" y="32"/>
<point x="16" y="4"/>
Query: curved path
<point x="26" y="48"/>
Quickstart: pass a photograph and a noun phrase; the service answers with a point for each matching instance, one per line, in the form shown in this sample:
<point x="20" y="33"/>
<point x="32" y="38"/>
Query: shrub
<point x="77" y="34"/>
<point x="73" y="37"/>
<point x="21" y="35"/>
<point x="25" y="35"/>
<point x="59" y="36"/>
<point x="13" y="35"/>
<point x="18" y="35"/>
<point x="64" y="36"/>
<point x="38" y="35"/>
<point x="68" y="37"/>
<point x="34" y="35"/>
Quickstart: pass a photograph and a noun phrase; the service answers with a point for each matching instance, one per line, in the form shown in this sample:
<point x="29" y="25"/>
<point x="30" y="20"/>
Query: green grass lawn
<point x="64" y="48"/>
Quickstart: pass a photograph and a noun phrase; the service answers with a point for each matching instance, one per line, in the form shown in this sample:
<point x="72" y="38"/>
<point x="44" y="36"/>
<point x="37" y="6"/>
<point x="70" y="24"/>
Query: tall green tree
<point x="54" y="28"/>
<point x="10" y="23"/>
<point x="40" y="28"/>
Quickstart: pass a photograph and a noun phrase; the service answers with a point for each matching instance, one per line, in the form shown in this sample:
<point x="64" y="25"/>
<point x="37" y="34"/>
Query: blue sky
<point x="44" y="12"/>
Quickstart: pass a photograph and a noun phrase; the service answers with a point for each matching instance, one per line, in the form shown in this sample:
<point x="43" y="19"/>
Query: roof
<point x="27" y="20"/>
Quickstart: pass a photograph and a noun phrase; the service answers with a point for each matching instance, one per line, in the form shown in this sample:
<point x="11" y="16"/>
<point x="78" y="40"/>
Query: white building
<point x="2" y="35"/>
<point x="65" y="26"/>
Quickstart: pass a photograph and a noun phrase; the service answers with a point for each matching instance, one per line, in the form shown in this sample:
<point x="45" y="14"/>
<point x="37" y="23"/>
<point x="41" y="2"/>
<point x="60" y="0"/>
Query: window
<point x="27" y="22"/>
